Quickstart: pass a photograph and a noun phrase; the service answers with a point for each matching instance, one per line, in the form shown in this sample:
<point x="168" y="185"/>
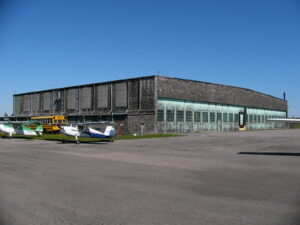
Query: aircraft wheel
<point x="77" y="142"/>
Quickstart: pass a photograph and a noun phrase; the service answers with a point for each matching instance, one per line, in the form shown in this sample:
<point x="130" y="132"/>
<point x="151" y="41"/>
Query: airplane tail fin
<point x="39" y="129"/>
<point x="109" y="131"/>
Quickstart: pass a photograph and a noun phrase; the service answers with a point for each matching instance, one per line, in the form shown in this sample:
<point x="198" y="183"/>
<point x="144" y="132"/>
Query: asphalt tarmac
<point x="233" y="178"/>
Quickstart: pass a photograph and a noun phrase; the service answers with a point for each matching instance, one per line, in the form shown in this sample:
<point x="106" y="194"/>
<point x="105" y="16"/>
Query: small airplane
<point x="88" y="132"/>
<point x="21" y="128"/>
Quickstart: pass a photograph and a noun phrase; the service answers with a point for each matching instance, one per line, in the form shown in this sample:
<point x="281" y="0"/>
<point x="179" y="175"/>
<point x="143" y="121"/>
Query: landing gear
<point x="77" y="141"/>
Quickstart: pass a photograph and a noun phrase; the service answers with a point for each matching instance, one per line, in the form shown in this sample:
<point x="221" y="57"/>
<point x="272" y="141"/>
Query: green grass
<point x="61" y="137"/>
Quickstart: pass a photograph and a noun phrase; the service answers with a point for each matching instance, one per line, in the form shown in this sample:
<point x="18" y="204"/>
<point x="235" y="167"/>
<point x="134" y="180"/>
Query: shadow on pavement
<point x="84" y="142"/>
<point x="270" y="153"/>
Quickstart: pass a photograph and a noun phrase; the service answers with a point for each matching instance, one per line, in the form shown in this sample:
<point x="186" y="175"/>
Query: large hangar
<point x="157" y="104"/>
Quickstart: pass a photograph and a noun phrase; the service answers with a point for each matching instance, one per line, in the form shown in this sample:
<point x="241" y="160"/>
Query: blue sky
<point x="55" y="43"/>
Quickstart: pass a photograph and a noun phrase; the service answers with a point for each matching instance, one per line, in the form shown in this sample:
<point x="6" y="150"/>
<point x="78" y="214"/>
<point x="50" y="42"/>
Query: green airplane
<point x="19" y="128"/>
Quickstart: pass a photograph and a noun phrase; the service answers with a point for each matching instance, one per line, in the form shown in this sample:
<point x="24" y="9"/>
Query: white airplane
<point x="19" y="128"/>
<point x="87" y="133"/>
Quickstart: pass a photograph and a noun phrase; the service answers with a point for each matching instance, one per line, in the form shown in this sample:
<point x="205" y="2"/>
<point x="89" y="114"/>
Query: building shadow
<point x="270" y="153"/>
<point x="83" y="142"/>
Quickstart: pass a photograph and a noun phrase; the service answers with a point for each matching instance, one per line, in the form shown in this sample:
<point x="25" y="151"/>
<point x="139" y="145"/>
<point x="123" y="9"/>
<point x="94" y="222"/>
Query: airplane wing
<point x="90" y="123"/>
<point x="285" y="120"/>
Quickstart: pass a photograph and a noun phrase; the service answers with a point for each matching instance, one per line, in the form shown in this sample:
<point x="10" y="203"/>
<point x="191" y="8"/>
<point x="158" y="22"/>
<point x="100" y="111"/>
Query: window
<point x="160" y="115"/>
<point x="250" y="118"/>
<point x="236" y="117"/>
<point x="170" y="115"/>
<point x="205" y="117"/>
<point x="258" y="118"/>
<point x="255" y="119"/>
<point x="197" y="116"/>
<point x="219" y="117"/>
<point x="212" y="117"/>
<point x="179" y="116"/>
<point x="225" y="117"/>
<point x="189" y="116"/>
<point x="230" y="117"/>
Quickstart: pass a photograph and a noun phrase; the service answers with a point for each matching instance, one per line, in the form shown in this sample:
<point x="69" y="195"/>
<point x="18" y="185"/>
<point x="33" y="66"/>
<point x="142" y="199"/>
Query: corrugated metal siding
<point x="133" y="95"/>
<point x="17" y="105"/>
<point x="26" y="104"/>
<point x="147" y="95"/>
<point x="35" y="104"/>
<point x="72" y="99"/>
<point x="120" y="94"/>
<point x="47" y="100"/>
<point x="86" y="98"/>
<point x="58" y="97"/>
<point x="215" y="93"/>
<point x="103" y="96"/>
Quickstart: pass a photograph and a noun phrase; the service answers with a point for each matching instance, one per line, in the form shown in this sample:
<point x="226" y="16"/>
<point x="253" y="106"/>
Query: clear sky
<point x="48" y="44"/>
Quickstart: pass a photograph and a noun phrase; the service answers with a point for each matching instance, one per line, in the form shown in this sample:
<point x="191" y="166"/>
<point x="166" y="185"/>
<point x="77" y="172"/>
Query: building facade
<point x="157" y="104"/>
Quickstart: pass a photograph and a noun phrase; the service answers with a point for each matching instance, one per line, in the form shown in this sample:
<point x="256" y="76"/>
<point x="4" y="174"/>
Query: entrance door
<point x="241" y="119"/>
<point x="219" y="121"/>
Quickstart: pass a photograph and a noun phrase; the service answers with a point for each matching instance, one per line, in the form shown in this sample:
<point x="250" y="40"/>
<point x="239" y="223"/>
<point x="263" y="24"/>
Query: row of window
<point x="208" y="117"/>
<point x="205" y="116"/>
<point x="49" y="121"/>
<point x="261" y="118"/>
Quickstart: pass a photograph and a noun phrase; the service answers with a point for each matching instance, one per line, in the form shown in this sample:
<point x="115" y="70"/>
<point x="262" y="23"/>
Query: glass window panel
<point x="160" y="115"/>
<point x="170" y="115"/>
<point x="179" y="115"/>
<point x="236" y="117"/>
<point x="225" y="117"/>
<point x="197" y="116"/>
<point x="219" y="117"/>
<point x="212" y="117"/>
<point x="230" y="117"/>
<point x="189" y="116"/>
<point x="205" y="117"/>
<point x="250" y="118"/>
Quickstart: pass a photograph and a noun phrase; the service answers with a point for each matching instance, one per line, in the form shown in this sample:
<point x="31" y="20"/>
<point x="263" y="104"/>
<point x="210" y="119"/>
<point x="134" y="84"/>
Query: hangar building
<point x="157" y="104"/>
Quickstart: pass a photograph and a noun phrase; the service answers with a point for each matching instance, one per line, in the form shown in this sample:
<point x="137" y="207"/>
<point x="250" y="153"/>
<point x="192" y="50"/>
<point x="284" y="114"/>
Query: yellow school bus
<point x="50" y="123"/>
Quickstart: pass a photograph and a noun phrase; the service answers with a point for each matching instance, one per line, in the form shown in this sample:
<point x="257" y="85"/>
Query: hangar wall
<point x="122" y="100"/>
<point x="110" y="97"/>
<point x="192" y="106"/>
<point x="216" y="93"/>
<point x="148" y="103"/>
